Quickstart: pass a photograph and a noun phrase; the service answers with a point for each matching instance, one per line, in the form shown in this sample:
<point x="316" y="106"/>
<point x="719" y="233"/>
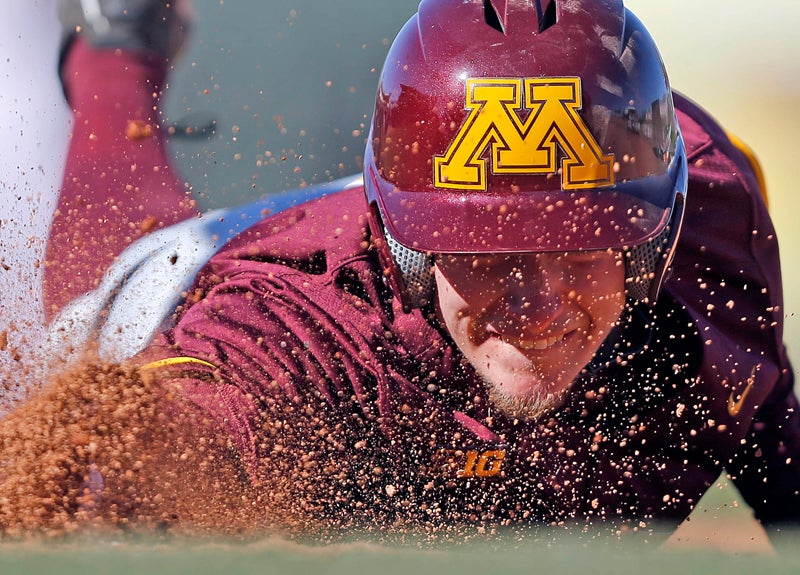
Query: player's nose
<point x="526" y="296"/>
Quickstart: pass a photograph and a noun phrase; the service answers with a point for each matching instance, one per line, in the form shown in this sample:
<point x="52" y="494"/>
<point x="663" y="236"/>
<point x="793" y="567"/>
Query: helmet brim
<point x="619" y="216"/>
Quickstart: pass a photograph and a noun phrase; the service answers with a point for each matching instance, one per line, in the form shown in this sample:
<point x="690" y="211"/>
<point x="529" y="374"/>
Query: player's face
<point x="529" y="323"/>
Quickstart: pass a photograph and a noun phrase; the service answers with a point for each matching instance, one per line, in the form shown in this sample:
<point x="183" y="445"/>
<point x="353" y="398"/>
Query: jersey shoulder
<point x="323" y="232"/>
<point x="714" y="152"/>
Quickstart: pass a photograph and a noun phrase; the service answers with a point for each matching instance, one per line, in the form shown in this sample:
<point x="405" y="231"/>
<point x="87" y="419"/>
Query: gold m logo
<point x="523" y="146"/>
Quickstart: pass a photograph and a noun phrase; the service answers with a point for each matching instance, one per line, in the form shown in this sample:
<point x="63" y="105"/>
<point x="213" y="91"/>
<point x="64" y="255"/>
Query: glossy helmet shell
<point x="524" y="126"/>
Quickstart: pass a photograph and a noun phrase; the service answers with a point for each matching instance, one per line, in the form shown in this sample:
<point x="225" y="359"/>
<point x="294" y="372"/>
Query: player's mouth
<point x="533" y="344"/>
<point x="527" y="344"/>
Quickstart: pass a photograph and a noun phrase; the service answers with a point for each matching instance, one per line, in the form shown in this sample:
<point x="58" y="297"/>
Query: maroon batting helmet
<point x="524" y="126"/>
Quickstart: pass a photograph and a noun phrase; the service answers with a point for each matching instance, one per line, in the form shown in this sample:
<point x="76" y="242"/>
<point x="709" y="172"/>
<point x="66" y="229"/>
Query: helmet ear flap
<point x="408" y="273"/>
<point x="647" y="265"/>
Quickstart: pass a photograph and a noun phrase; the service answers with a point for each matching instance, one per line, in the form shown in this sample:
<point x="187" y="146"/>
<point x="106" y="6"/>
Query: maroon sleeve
<point x="261" y="335"/>
<point x="728" y="277"/>
<point x="767" y="467"/>
<point x="272" y="319"/>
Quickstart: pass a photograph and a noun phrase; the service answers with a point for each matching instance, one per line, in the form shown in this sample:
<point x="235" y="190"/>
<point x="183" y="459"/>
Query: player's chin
<point x="530" y="406"/>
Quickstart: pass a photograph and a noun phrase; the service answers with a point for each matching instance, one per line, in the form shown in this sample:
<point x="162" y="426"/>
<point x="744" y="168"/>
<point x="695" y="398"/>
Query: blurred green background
<point x="280" y="558"/>
<point x="291" y="84"/>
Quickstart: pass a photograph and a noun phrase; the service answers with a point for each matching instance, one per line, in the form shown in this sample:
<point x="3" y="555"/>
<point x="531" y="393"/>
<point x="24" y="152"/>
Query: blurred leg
<point x="35" y="123"/>
<point x="118" y="184"/>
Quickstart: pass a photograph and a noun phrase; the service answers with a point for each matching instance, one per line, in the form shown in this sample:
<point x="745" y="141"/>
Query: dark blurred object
<point x="194" y="126"/>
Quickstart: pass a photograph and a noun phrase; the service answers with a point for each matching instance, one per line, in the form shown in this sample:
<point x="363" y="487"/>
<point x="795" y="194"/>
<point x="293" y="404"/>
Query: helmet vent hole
<point x="494" y="12"/>
<point x="547" y="14"/>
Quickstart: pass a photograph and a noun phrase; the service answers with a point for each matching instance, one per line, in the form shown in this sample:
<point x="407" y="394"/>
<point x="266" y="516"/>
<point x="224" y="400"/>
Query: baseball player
<point x="553" y="299"/>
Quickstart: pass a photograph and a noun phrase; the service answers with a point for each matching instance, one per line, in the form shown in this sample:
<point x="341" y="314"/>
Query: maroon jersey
<point x="291" y="338"/>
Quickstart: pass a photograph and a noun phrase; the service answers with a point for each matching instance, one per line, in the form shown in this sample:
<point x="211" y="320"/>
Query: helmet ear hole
<point x="416" y="269"/>
<point x="407" y="272"/>
<point x="647" y="265"/>
<point x="641" y="263"/>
